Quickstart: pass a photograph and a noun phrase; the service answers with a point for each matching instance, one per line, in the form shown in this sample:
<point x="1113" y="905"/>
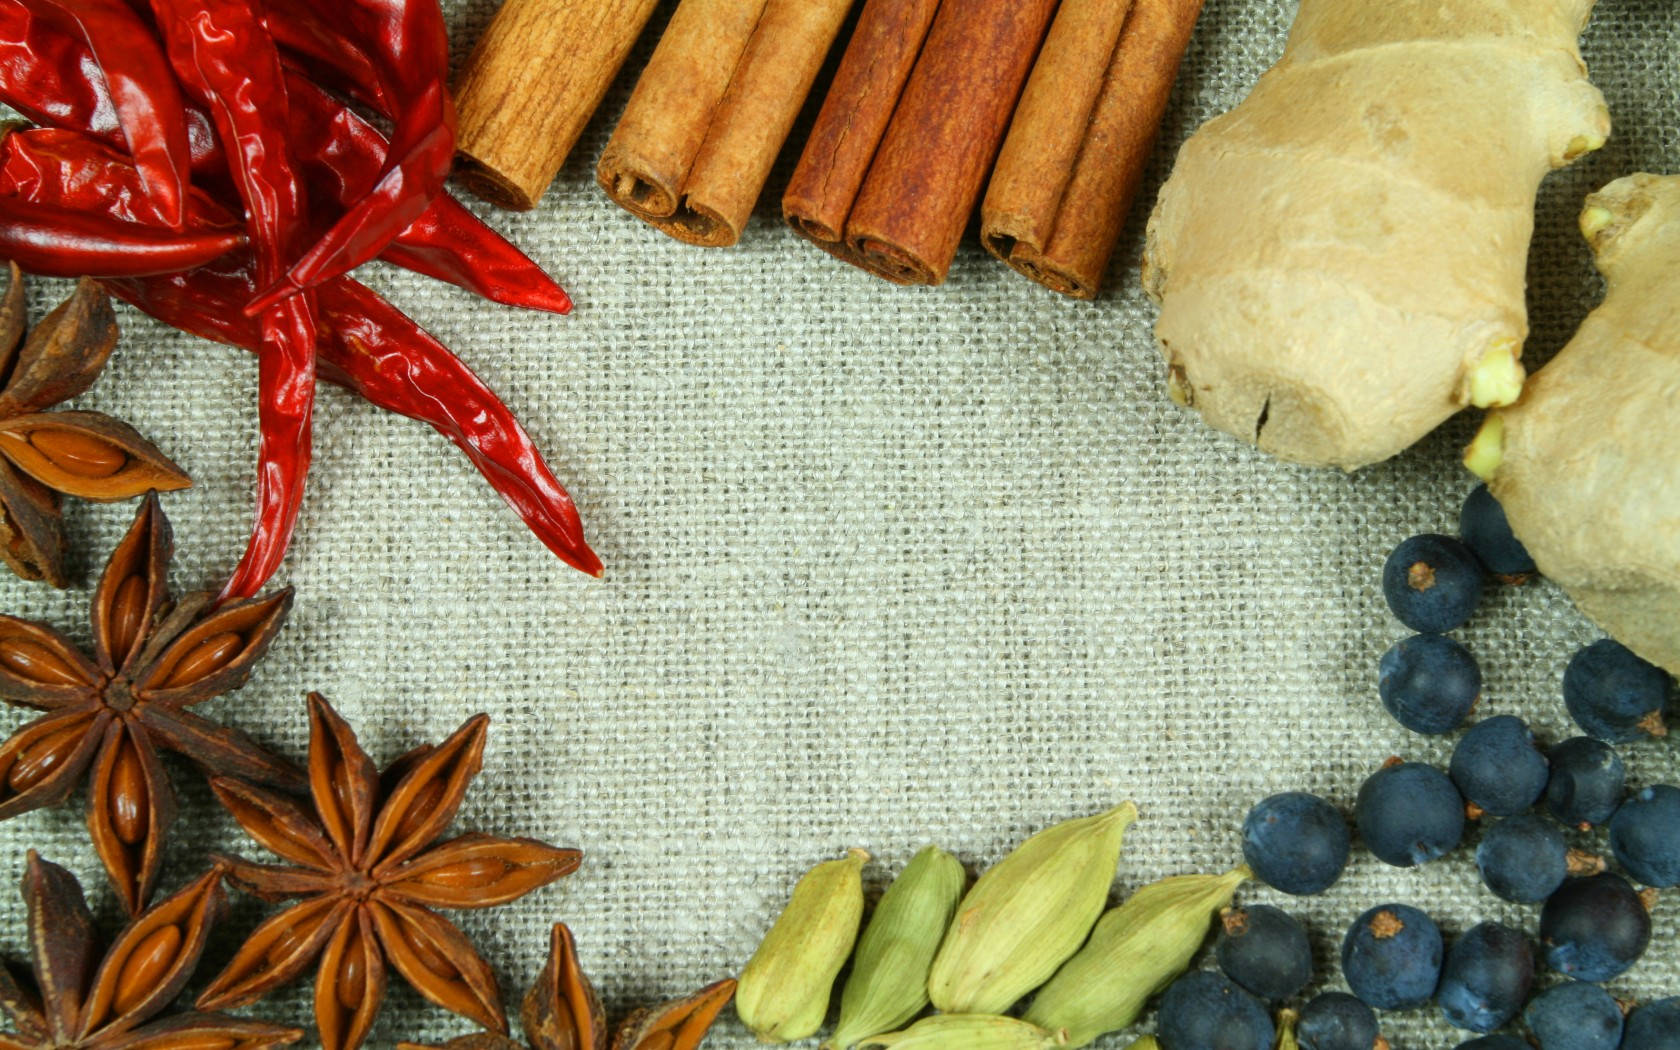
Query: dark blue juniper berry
<point x="1614" y="695"/>
<point x="1525" y="859"/>
<point x="1391" y="957"/>
<point x="1432" y="582"/>
<point x="1494" y="1042"/>
<point x="1296" y="842"/>
<point x="1487" y="977"/>
<point x="1645" y="835"/>
<point x="1497" y="768"/>
<point x="1482" y="524"/>
<point x="1336" y="1021"/>
<point x="1586" y="781"/>
<point x="1204" y="1010"/>
<point x="1429" y="683"/>
<point x="1654" y="1026"/>
<point x="1575" y="1015"/>
<point x="1264" y="949"/>
<point x="1409" y="813"/>
<point x="1594" y="928"/>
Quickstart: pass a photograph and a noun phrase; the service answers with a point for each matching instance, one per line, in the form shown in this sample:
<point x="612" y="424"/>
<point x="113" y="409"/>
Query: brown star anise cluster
<point x="562" y="1012"/>
<point x="368" y="868"/>
<point x="84" y="1000"/>
<point x="44" y="455"/>
<point x="154" y="659"/>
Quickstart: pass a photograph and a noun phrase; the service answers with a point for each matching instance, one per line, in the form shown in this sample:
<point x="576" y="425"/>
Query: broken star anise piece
<point x="44" y="454"/>
<point x="369" y="870"/>
<point x="152" y="661"/>
<point x="562" y="1012"/>
<point x="82" y="1001"/>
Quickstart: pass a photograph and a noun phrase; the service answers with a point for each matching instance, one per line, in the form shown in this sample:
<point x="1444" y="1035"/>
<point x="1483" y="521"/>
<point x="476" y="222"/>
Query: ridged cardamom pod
<point x="968" y="1032"/>
<point x="1135" y="951"/>
<point x="888" y="983"/>
<point x="1145" y="1042"/>
<point x="784" y="990"/>
<point x="1286" y="1040"/>
<point x="1027" y="914"/>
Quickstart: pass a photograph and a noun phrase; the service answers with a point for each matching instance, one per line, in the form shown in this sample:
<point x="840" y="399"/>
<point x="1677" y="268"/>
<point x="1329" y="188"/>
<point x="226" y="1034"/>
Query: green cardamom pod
<point x="1135" y="951"/>
<point x="1145" y="1042"/>
<point x="888" y="983"/>
<point x="1286" y="1031"/>
<point x="1027" y="914"/>
<point x="784" y="989"/>
<point x="968" y="1032"/>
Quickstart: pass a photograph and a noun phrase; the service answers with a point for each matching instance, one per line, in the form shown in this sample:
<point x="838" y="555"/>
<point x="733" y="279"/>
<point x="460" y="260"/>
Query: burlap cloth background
<point x="885" y="567"/>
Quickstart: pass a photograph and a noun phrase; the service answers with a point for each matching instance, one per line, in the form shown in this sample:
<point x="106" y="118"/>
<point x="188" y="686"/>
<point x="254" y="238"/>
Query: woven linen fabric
<point x="885" y="567"/>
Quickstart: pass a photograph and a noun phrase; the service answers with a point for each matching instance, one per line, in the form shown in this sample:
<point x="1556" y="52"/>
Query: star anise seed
<point x="113" y="711"/>
<point x="85" y="1001"/>
<point x="678" y="1024"/>
<point x="369" y="870"/>
<point x="44" y="454"/>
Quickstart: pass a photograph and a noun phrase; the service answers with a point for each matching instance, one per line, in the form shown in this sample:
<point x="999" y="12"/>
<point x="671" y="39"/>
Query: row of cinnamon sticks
<point x="1048" y="106"/>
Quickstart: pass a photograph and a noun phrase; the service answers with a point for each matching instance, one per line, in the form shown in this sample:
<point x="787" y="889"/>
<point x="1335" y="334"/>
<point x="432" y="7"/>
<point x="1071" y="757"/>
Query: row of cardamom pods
<point x="1037" y="920"/>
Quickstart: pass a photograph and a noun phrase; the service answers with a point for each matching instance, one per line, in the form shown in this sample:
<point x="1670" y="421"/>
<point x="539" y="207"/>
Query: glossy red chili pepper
<point x="230" y="66"/>
<point x="62" y="242"/>
<point x="150" y="110"/>
<point x="408" y="44"/>
<point x="372" y="348"/>
<point x="74" y="170"/>
<point x="314" y="48"/>
<point x="341" y="156"/>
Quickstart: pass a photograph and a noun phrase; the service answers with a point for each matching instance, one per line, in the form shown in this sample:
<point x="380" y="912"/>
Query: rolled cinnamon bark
<point x="1081" y="139"/>
<point x="530" y="86"/>
<point x="933" y="160"/>
<point x="854" y="117"/>
<point x="714" y="106"/>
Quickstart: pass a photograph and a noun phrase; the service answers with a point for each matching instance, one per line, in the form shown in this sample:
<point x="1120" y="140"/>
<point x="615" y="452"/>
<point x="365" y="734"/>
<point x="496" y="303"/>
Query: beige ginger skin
<point x="1339" y="260"/>
<point x="1587" y="462"/>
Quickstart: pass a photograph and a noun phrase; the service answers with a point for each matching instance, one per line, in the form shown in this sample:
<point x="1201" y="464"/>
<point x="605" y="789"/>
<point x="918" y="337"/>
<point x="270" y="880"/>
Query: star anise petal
<point x="44" y="761"/>
<point x="276" y="882"/>
<point x="216" y="655"/>
<point x="32" y="538"/>
<point x="679" y="1024"/>
<point x="438" y="960"/>
<point x="277" y="952"/>
<point x="40" y="668"/>
<point x="14" y="322"/>
<point x="62" y="943"/>
<point x="428" y="796"/>
<point x="562" y="1011"/>
<point x="21" y="1006"/>
<point x="134" y="587"/>
<point x="152" y="959"/>
<point x="130" y="807"/>
<point x="476" y="1041"/>
<point x="193" y="1030"/>
<point x="277" y="823"/>
<point x="479" y="871"/>
<point x="88" y="455"/>
<point x="350" y="985"/>
<point x="343" y="780"/>
<point x="63" y="354"/>
<point x="218" y="749"/>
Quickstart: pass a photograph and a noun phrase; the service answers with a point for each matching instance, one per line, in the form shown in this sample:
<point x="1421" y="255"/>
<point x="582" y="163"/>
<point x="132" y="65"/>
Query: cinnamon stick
<point x="712" y="109"/>
<point x="927" y="174"/>
<point x="854" y="117"/>
<point x="534" y="79"/>
<point x="1081" y="139"/>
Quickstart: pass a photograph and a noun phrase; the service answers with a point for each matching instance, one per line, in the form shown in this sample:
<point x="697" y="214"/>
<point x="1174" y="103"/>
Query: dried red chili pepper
<point x="230" y="66"/>
<point x="62" y="242"/>
<point x="315" y="49"/>
<point x="409" y="48"/>
<point x="148" y="102"/>
<point x="71" y="169"/>
<point x="372" y="348"/>
<point x="341" y="156"/>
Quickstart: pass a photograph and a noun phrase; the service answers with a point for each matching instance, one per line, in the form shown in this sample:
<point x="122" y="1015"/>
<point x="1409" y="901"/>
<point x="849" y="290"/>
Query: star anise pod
<point x="562" y="1012"/>
<point x="82" y="1001"/>
<point x="43" y="454"/>
<point x="369" y="870"/>
<point x="153" y="660"/>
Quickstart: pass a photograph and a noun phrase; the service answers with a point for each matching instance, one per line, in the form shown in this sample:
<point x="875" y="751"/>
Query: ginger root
<point x="1340" y="259"/>
<point x="1587" y="463"/>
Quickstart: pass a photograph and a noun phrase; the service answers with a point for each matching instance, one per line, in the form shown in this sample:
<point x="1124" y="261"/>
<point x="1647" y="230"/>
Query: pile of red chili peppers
<point x="203" y="160"/>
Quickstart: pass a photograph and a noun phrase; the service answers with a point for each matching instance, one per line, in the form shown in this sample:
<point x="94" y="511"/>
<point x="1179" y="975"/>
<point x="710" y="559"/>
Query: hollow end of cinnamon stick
<point x="484" y="181"/>
<point x="893" y="262"/>
<point x="635" y="189"/>
<point x="700" y="226"/>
